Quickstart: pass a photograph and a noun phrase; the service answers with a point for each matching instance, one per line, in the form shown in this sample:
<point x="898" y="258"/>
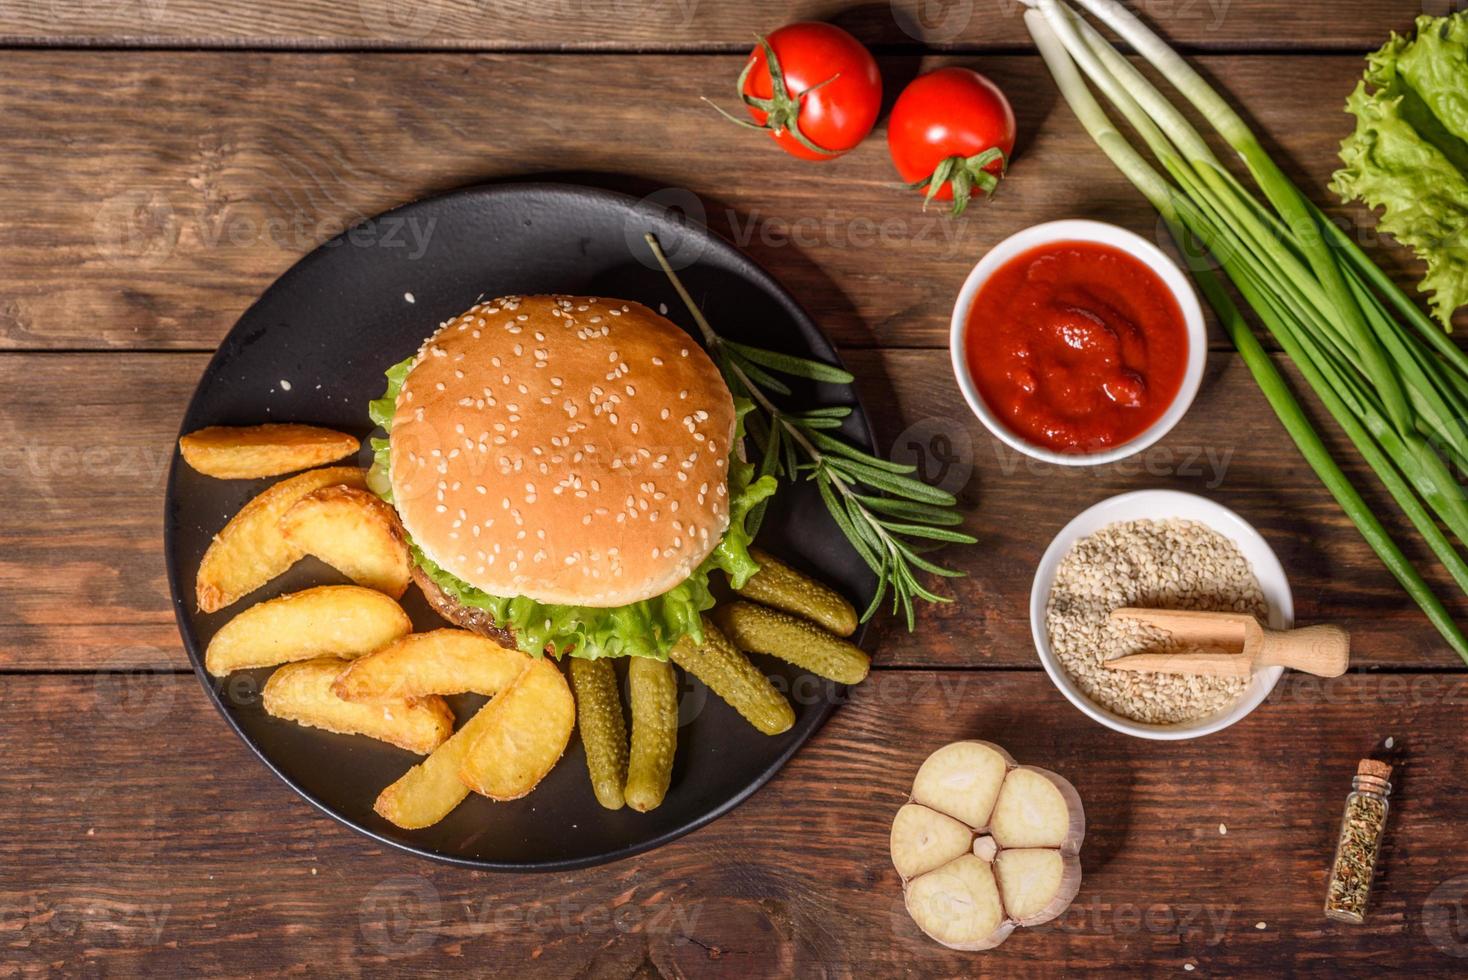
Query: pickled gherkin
<point x="778" y="585"/>
<point x="603" y="730"/>
<point x="792" y="639"/>
<point x="654" y="690"/>
<point x="730" y="675"/>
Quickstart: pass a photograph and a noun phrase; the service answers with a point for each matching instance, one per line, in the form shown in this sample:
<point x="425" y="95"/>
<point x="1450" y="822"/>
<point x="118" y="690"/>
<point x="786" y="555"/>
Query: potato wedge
<point x="353" y="531"/>
<point x="251" y="550"/>
<point x="251" y="451"/>
<point x="429" y="791"/>
<point x="524" y="736"/>
<point x="301" y="692"/>
<point x="329" y="620"/>
<point x="445" y="661"/>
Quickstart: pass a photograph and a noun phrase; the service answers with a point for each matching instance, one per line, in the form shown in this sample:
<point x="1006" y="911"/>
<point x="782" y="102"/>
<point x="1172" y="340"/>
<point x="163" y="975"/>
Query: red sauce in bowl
<point x="1076" y="346"/>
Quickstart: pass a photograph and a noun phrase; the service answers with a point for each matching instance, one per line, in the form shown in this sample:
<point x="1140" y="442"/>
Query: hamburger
<point x="568" y="472"/>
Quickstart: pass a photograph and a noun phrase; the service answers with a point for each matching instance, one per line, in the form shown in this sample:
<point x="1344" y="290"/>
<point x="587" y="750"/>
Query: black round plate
<point x="313" y="349"/>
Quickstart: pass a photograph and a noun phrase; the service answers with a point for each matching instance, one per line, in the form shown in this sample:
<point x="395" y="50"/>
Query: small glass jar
<point x="1349" y="887"/>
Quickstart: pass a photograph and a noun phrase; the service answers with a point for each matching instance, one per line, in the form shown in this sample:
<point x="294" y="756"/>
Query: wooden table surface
<point x="162" y="162"/>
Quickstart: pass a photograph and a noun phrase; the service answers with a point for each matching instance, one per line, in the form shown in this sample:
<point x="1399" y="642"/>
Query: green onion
<point x="1398" y="391"/>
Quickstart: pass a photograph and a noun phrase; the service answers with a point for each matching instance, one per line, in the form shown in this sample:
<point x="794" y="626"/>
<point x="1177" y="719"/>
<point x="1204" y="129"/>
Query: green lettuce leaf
<point x="642" y="629"/>
<point x="1408" y="154"/>
<point x="1433" y="67"/>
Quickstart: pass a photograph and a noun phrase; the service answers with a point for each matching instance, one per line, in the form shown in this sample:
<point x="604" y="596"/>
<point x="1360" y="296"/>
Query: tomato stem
<point x="782" y="110"/>
<point x="964" y="174"/>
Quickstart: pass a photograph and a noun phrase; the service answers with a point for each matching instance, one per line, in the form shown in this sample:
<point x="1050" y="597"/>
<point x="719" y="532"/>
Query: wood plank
<point x="133" y="228"/>
<point x="659" y="25"/>
<point x="84" y="454"/>
<point x="145" y="839"/>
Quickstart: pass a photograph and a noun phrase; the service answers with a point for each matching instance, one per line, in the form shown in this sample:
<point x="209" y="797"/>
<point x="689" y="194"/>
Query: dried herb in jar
<point x="1362" y="828"/>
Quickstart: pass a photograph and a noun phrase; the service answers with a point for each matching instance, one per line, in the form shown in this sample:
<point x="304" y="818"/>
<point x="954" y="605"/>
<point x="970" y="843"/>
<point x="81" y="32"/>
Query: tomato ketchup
<point x="1076" y="346"/>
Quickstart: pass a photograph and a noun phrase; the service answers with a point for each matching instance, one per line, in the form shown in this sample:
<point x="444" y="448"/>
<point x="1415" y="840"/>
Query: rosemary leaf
<point x="910" y="511"/>
<point x="840" y="448"/>
<point x="904" y="486"/>
<point x="761" y="377"/>
<point x="796" y="367"/>
<point x="932" y="533"/>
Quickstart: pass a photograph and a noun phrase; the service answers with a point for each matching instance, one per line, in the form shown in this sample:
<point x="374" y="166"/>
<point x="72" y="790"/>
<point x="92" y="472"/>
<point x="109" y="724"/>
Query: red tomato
<point x="825" y="93"/>
<point x="951" y="130"/>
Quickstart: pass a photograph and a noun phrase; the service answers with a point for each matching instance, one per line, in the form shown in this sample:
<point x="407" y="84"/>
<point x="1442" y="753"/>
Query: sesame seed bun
<point x="569" y="449"/>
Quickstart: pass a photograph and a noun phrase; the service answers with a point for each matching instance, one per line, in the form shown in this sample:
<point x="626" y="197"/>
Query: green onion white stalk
<point x="1398" y="391"/>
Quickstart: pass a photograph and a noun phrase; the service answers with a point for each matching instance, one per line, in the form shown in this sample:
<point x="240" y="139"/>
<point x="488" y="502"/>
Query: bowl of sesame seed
<point x="1153" y="549"/>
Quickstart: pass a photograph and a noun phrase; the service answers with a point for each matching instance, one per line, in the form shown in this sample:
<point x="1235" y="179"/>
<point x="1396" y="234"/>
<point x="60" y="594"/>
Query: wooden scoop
<point x="1235" y="645"/>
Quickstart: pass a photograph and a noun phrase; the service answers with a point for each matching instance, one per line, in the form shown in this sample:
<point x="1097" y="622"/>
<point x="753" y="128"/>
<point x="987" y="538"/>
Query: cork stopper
<point x="1375" y="769"/>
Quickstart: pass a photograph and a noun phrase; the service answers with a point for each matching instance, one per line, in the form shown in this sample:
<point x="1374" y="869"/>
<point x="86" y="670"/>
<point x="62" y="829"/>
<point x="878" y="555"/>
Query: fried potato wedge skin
<point x="301" y="692"/>
<point x="251" y="550"/>
<point x="249" y="452"/>
<point x="527" y="730"/>
<point x="353" y="531"/>
<point x="431" y="790"/>
<point x="443" y="661"/>
<point x="328" y="621"/>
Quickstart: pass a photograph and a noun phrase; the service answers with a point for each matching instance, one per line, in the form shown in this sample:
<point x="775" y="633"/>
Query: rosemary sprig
<point x="889" y="532"/>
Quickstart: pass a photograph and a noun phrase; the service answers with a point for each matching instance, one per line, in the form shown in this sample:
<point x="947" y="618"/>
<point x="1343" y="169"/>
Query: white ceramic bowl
<point x="1076" y="230"/>
<point x="1161" y="505"/>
